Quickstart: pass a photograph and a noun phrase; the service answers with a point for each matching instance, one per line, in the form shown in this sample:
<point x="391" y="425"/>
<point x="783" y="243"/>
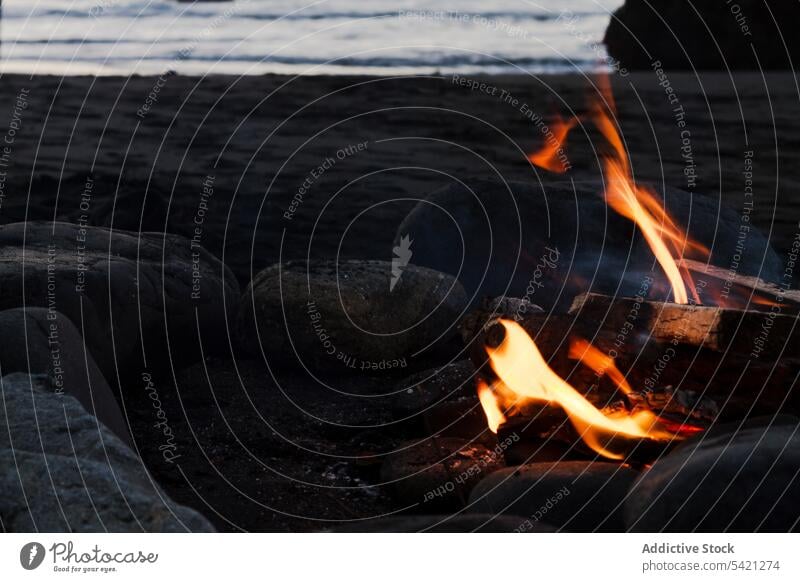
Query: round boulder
<point x="126" y="292"/>
<point x="357" y="316"/>
<point x="731" y="478"/>
<point x="61" y="470"/>
<point x="40" y="341"/>
<point x="704" y="34"/>
<point x="570" y="495"/>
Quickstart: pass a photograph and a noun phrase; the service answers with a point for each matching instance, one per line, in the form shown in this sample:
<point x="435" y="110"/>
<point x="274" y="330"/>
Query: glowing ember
<point x="524" y="372"/>
<point x="494" y="416"/>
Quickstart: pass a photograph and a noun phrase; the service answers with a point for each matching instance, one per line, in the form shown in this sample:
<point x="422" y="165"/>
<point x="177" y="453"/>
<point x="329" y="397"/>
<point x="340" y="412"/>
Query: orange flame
<point x="491" y="408"/>
<point x="522" y="369"/>
<point x="601" y="363"/>
<point x="627" y="198"/>
<point x="551" y="155"/>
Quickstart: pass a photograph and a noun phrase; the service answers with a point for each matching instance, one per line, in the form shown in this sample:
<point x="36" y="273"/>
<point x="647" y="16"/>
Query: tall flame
<point x="522" y="369"/>
<point x="637" y="203"/>
<point x="625" y="197"/>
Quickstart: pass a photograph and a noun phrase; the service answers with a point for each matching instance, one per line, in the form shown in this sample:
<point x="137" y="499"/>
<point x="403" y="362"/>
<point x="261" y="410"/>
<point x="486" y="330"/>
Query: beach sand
<point x="278" y="167"/>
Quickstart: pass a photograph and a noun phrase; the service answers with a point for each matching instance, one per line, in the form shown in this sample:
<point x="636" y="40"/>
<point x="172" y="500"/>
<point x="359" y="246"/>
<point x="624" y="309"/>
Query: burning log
<point x="712" y="328"/>
<point x="655" y="361"/>
<point x="727" y="288"/>
<point x="523" y="351"/>
<point x="495" y="308"/>
<point x="552" y="336"/>
<point x="523" y="376"/>
<point x="670" y="379"/>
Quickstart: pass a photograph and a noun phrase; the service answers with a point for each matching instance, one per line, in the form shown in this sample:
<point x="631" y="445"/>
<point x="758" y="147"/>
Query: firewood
<point x="741" y="385"/>
<point x="719" y="329"/>
<point x="719" y="286"/>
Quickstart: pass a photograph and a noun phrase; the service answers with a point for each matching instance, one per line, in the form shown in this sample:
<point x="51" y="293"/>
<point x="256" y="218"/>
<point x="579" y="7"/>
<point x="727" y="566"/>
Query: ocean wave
<point x="449" y="61"/>
<point x="436" y="35"/>
<point x="109" y="9"/>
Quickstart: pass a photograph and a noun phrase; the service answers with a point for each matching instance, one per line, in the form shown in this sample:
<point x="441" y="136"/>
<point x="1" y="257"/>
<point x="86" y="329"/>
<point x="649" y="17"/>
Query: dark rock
<point x="571" y="495"/>
<point x="548" y="242"/>
<point x="471" y="522"/>
<point x="348" y="316"/>
<point x="542" y="450"/>
<point x="704" y="34"/>
<point x="38" y="341"/>
<point x="119" y="288"/>
<point x="61" y="470"/>
<point x="438" y="473"/>
<point x="442" y="401"/>
<point x="730" y="478"/>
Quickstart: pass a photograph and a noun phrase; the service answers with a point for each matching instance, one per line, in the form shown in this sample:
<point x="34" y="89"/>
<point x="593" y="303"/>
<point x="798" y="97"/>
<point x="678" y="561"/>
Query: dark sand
<point x="248" y="460"/>
<point x="261" y="137"/>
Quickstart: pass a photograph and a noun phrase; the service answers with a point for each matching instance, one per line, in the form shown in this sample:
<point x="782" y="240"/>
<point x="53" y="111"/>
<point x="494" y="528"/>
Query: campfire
<point x="524" y="374"/>
<point x="688" y="313"/>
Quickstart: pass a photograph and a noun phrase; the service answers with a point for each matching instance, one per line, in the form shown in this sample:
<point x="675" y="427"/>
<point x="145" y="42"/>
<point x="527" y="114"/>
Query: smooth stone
<point x="38" y="341"/>
<point x="348" y="317"/>
<point x="438" y="473"/>
<point x="547" y="242"/>
<point x="727" y="479"/>
<point x="574" y="496"/>
<point x="118" y="288"/>
<point x="61" y="470"/>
